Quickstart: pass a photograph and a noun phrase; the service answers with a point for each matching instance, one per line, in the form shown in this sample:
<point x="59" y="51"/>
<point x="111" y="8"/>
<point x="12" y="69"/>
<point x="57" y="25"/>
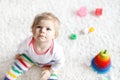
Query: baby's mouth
<point x="42" y="36"/>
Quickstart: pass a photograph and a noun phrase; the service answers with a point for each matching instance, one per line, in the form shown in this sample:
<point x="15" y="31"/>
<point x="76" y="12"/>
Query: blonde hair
<point x="47" y="16"/>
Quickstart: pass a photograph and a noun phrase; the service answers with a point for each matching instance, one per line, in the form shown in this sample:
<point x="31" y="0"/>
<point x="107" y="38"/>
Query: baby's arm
<point x="60" y="60"/>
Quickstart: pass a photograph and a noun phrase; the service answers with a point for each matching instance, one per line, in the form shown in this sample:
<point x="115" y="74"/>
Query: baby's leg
<point x="22" y="64"/>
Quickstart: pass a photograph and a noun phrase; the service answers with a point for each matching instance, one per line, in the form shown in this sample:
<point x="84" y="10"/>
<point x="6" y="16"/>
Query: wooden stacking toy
<point x="101" y="62"/>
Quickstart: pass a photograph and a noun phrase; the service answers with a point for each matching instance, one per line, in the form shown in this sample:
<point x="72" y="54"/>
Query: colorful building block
<point x="82" y="12"/>
<point x="73" y="36"/>
<point x="98" y="11"/>
<point x="88" y="30"/>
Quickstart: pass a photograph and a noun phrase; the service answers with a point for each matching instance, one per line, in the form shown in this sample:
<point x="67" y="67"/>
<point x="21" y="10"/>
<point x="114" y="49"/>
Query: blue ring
<point x="100" y="70"/>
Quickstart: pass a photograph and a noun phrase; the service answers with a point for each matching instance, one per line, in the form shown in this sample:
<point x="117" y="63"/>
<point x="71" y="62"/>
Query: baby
<point x="40" y="49"/>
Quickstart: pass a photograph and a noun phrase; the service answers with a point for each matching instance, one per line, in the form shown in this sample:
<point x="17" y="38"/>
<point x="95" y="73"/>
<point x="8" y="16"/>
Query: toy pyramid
<point x="101" y="62"/>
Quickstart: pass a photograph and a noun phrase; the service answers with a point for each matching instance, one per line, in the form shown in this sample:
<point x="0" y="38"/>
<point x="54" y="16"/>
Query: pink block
<point x="82" y="12"/>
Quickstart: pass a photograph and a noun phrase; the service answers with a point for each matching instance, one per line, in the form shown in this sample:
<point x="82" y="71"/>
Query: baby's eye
<point x="48" y="29"/>
<point x="38" y="27"/>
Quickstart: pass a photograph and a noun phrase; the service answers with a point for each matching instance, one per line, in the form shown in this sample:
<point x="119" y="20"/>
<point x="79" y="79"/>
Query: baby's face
<point x="44" y="31"/>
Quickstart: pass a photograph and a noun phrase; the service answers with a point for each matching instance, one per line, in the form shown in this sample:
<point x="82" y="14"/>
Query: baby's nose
<point x="43" y="30"/>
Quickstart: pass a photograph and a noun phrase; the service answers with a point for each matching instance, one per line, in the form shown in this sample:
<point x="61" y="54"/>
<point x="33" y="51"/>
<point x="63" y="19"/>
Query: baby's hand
<point x="45" y="75"/>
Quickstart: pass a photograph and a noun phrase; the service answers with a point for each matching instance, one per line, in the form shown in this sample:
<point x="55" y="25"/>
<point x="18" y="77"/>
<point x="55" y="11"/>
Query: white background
<point x="16" y="17"/>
